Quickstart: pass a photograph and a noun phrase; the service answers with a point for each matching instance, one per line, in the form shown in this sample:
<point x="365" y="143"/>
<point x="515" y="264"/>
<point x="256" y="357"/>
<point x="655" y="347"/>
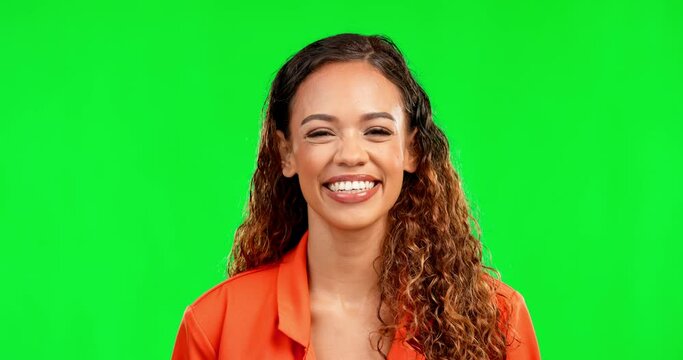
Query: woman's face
<point x="349" y="144"/>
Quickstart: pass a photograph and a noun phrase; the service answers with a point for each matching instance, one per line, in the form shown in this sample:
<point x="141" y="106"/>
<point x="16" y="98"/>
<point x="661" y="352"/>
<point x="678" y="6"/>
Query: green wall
<point x="128" y="134"/>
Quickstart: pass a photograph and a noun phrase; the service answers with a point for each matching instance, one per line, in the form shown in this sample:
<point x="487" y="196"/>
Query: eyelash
<point x="380" y="131"/>
<point x="372" y="131"/>
<point x="318" y="133"/>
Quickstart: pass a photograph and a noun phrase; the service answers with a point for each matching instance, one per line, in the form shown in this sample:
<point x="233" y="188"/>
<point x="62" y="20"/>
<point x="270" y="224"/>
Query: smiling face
<point x="348" y="144"/>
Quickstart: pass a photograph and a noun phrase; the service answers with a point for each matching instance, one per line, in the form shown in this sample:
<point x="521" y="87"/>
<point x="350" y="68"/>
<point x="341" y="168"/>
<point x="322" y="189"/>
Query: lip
<point x="349" y="198"/>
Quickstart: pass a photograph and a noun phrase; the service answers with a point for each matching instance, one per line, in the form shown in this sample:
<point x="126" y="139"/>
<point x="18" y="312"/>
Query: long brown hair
<point x="431" y="269"/>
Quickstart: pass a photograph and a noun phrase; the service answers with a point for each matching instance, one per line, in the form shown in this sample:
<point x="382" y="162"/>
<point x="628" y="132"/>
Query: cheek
<point x="391" y="157"/>
<point x="311" y="160"/>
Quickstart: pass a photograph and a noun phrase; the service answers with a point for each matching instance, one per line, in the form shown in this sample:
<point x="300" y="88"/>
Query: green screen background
<point x="129" y="132"/>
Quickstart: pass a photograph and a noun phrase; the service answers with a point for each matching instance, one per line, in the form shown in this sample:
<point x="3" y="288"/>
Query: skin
<point x="345" y="239"/>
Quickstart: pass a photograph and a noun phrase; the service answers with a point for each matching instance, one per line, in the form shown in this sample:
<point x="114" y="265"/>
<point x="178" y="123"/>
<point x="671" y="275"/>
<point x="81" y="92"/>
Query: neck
<point x="340" y="262"/>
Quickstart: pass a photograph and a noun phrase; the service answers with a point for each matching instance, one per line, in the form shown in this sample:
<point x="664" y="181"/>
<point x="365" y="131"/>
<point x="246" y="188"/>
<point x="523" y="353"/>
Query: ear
<point x="285" y="149"/>
<point x="409" y="156"/>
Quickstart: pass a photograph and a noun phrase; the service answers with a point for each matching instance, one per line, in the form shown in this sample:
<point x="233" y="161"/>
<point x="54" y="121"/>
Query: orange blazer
<point x="264" y="313"/>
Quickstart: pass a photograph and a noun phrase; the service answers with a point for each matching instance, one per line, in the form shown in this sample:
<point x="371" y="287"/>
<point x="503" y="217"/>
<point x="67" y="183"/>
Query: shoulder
<point x="504" y="292"/>
<point x="243" y="293"/>
<point x="251" y="282"/>
<point x="201" y="330"/>
<point x="510" y="302"/>
<point x="520" y="332"/>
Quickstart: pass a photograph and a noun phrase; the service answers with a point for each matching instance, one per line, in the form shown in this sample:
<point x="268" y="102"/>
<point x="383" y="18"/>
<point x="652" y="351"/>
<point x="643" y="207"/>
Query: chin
<point x="347" y="219"/>
<point x="350" y="223"/>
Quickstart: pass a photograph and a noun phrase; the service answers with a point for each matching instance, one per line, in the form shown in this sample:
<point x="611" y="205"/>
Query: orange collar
<point x="293" y="304"/>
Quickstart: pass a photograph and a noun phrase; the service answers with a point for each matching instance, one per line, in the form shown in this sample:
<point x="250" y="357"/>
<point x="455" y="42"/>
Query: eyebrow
<point x="365" y="117"/>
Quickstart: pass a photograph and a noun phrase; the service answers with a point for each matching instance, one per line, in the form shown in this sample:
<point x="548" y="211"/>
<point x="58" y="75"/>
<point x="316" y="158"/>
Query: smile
<point x="351" y="186"/>
<point x="351" y="191"/>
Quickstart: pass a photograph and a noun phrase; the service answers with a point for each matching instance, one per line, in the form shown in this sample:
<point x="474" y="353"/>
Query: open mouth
<point x="351" y="186"/>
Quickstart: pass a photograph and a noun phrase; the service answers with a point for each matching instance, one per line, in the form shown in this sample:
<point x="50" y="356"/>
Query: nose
<point x="351" y="152"/>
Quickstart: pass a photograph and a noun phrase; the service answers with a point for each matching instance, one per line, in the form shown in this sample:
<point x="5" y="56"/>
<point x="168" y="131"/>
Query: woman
<point x="358" y="243"/>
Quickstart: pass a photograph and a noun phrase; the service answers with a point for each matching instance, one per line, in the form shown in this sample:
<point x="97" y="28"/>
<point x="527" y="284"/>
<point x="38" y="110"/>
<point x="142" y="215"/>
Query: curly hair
<point x="431" y="277"/>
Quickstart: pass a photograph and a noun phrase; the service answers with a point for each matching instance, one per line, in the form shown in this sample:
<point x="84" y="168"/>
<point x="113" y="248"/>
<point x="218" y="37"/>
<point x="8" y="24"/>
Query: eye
<point x="319" y="134"/>
<point x="379" y="131"/>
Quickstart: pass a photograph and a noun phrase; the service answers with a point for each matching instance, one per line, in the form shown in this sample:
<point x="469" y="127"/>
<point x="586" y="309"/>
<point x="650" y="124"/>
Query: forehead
<point x="346" y="89"/>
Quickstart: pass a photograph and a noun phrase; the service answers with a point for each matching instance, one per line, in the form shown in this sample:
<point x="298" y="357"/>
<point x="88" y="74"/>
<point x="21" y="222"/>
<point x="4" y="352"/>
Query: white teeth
<point x="351" y="185"/>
